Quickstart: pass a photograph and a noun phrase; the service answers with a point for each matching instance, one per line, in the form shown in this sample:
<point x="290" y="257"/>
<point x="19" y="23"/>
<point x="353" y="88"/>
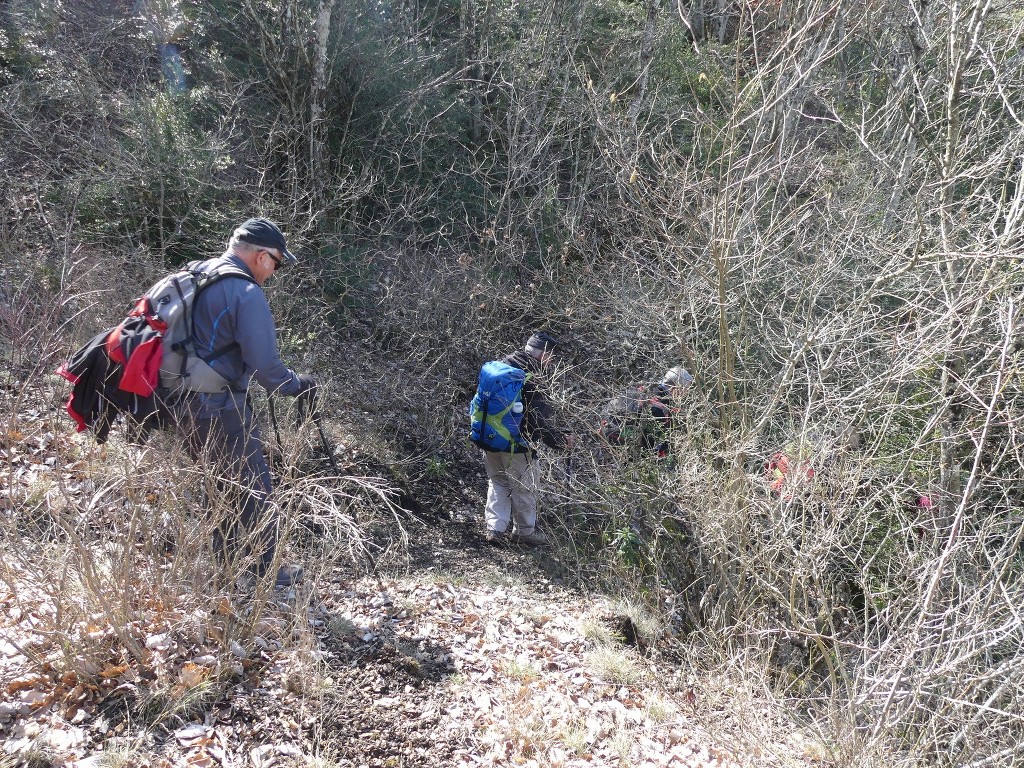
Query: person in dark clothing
<point x="644" y="416"/>
<point x="513" y="478"/>
<point x="234" y="331"/>
<point x="665" y="404"/>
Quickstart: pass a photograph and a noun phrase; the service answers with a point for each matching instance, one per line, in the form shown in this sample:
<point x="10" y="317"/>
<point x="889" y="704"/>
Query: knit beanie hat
<point x="677" y="377"/>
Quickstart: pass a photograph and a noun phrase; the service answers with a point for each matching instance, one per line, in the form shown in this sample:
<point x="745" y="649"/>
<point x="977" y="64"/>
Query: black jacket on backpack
<point x="97" y="398"/>
<point x="539" y="423"/>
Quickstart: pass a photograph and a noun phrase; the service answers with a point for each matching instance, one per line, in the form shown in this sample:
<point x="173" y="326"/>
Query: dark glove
<point x="307" y="387"/>
<point x="306" y="397"/>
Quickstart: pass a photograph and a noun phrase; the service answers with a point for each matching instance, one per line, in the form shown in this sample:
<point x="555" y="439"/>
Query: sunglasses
<point x="277" y="262"/>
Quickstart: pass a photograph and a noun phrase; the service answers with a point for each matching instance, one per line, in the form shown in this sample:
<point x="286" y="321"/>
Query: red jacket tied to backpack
<point x="98" y="397"/>
<point x="121" y="370"/>
<point x="137" y="345"/>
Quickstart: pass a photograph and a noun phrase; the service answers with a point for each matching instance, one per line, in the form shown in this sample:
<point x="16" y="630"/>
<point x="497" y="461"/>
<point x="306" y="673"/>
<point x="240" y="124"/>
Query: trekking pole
<point x="318" y="420"/>
<point x="309" y="410"/>
<point x="328" y="448"/>
<point x="273" y="421"/>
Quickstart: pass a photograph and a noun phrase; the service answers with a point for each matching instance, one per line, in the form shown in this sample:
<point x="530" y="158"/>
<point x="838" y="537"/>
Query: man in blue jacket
<point x="234" y="331"/>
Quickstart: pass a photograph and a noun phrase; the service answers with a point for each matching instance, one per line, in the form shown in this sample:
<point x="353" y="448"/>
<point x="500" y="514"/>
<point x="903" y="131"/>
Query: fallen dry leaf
<point x="194" y="735"/>
<point x="201" y="759"/>
<point x="114" y="671"/>
<point x="22" y="684"/>
<point x="192" y="675"/>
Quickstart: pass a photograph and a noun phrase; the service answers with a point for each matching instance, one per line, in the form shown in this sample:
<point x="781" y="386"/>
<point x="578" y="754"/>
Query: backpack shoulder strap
<point x="220" y="272"/>
<point x="206" y="279"/>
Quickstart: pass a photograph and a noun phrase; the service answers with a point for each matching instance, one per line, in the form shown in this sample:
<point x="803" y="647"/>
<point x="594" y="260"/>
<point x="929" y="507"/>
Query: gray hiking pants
<point x="221" y="434"/>
<point x="512" y="487"/>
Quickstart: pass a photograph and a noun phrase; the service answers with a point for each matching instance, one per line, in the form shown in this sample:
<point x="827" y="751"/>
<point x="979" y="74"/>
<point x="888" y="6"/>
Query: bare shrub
<point x="837" y="266"/>
<point x="813" y="206"/>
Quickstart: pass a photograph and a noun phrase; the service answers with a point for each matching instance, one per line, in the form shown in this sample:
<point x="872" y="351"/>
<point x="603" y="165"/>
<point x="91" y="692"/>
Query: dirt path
<point x="477" y="657"/>
<point x="473" y="656"/>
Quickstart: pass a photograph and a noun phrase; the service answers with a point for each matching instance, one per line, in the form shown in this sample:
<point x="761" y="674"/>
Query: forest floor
<point x="462" y="654"/>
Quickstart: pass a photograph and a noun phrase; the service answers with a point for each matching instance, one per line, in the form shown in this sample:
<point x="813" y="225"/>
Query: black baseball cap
<point x="266" y="233"/>
<point x="541" y="342"/>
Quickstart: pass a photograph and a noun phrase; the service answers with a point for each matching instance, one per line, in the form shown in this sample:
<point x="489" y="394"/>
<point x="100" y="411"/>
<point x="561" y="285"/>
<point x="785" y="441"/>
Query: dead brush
<point x="333" y="518"/>
<point x="124" y="549"/>
<point x="125" y="589"/>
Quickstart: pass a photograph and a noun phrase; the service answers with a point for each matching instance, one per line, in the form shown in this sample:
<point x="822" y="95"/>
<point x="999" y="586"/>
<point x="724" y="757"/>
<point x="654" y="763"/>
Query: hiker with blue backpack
<point x="508" y="415"/>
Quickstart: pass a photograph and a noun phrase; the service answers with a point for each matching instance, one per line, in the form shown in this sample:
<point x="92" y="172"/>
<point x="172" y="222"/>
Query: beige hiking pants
<point x="511" y="491"/>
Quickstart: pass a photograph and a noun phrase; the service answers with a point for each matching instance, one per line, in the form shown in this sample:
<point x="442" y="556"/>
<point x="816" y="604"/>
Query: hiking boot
<point x="288" y="576"/>
<point x="497" y="538"/>
<point x="534" y="539"/>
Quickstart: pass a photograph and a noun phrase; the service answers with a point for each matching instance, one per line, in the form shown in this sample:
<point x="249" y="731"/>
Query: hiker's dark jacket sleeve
<point x="232" y="321"/>
<point x="663" y="408"/>
<point x="540" y="415"/>
<point x="89" y="370"/>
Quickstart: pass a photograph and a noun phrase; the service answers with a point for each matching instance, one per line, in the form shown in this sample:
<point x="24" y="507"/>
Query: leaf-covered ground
<point x="474" y="659"/>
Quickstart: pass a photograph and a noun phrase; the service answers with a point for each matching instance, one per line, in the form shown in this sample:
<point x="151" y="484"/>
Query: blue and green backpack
<point x="496" y="413"/>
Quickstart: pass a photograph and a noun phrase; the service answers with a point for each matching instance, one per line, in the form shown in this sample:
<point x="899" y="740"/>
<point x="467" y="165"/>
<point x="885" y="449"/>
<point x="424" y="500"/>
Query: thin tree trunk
<point x="646" y="55"/>
<point x="317" y="128"/>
